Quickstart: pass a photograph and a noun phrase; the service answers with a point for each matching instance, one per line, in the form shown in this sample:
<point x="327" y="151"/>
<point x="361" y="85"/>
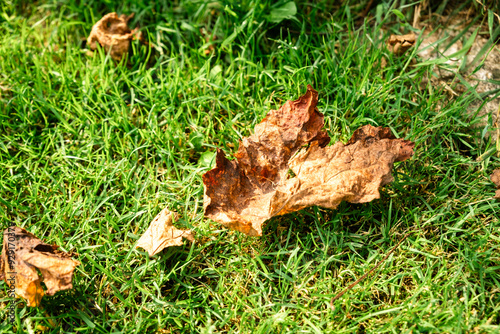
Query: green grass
<point x="91" y="151"/>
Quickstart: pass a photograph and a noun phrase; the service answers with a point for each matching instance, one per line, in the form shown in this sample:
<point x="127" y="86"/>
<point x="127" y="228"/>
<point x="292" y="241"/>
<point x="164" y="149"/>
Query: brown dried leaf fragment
<point x="243" y="193"/>
<point x="398" y="44"/>
<point x="495" y="178"/>
<point x="113" y="34"/>
<point x="23" y="254"/>
<point x="209" y="38"/>
<point x="161" y="234"/>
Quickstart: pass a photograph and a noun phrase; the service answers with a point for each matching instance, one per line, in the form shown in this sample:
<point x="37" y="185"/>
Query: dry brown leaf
<point x="243" y="193"/>
<point x="112" y="33"/>
<point x="495" y="178"/>
<point x="161" y="233"/>
<point x="27" y="254"/>
<point x="398" y="44"/>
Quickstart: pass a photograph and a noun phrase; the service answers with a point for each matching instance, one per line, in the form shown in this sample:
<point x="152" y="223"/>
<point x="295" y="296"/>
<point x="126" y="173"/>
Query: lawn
<point x="92" y="150"/>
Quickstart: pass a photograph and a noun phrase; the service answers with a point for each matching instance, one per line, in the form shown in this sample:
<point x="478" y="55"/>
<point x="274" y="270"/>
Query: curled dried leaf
<point x="243" y="193"/>
<point x="398" y="44"/>
<point x="161" y="233"/>
<point x="23" y="254"/>
<point x="113" y="34"/>
<point x="495" y="178"/>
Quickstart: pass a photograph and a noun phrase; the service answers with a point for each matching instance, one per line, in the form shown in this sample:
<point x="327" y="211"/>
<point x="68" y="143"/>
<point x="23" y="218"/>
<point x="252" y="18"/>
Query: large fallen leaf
<point x="161" y="234"/>
<point x="113" y="34"/>
<point x="273" y="173"/>
<point x="495" y="178"/>
<point x="23" y="254"/>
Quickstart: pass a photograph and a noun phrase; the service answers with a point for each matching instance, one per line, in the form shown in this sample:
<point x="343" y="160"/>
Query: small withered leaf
<point x="399" y="44"/>
<point x="23" y="254"/>
<point x="161" y="233"/>
<point x="275" y="174"/>
<point x="495" y="178"/>
<point x="113" y="34"/>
